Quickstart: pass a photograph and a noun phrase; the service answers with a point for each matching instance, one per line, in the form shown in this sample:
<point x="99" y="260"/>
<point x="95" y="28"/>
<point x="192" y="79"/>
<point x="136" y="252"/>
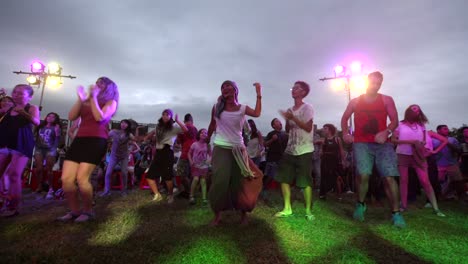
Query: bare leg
<point x="39" y="161"/>
<point x="286" y="191"/>
<point x="86" y="189"/>
<point x="152" y="185"/>
<point x="403" y="186"/>
<point x="424" y="180"/>
<point x="69" y="172"/>
<point x="308" y="199"/>
<point x="14" y="172"/>
<point x="194" y="186"/>
<point x="203" y="187"/>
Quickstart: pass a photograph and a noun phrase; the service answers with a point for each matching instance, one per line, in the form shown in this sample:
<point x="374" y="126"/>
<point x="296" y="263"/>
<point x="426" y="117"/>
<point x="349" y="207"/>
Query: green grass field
<point x="133" y="229"/>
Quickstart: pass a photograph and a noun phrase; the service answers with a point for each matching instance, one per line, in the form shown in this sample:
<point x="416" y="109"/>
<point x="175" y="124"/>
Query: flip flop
<point x="283" y="215"/>
<point x="310" y="217"/>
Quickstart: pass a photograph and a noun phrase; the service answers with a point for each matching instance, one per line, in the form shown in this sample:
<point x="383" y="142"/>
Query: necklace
<point x="413" y="127"/>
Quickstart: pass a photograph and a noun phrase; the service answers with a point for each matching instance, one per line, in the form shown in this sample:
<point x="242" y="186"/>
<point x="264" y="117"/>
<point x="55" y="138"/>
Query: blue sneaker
<point x="359" y="212"/>
<point x="398" y="220"/>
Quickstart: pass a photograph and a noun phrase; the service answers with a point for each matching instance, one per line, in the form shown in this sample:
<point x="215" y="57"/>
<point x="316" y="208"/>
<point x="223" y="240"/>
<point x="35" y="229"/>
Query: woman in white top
<point x="255" y="144"/>
<point x="162" y="165"/>
<point x="410" y="135"/>
<point x="232" y="183"/>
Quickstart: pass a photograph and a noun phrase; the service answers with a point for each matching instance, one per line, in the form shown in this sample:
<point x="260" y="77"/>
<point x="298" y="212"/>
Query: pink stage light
<point x="37" y="66"/>
<point x="340" y="70"/>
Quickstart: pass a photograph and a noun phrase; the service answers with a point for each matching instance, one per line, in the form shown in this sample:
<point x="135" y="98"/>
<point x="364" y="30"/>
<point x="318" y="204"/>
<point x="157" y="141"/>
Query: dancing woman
<point x="410" y="133"/>
<point x="232" y="183"/>
<point x="89" y="146"/>
<point x="16" y="141"/>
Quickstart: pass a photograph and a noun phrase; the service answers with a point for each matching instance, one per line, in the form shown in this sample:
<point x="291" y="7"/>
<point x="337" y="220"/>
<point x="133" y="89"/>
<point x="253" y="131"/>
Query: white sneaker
<point x="157" y="197"/>
<point x="170" y="199"/>
<point x="428" y="205"/>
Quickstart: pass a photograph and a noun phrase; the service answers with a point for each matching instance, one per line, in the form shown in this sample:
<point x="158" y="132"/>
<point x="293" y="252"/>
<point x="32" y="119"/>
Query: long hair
<point x="129" y="126"/>
<point x="162" y="127"/>
<point x="421" y="119"/>
<point x="110" y="93"/>
<point x="221" y="101"/>
<point x="253" y="129"/>
<point x="44" y="122"/>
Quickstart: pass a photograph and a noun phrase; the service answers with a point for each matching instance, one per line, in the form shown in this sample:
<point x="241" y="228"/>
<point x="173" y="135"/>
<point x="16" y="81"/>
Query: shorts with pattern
<point x="382" y="155"/>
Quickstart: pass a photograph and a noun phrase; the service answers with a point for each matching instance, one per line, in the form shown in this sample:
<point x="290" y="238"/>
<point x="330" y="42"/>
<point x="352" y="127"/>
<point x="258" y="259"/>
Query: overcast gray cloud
<point x="177" y="53"/>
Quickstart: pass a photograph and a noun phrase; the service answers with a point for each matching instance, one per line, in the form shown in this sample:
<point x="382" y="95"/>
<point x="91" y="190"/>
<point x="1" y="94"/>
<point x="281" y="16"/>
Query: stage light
<point x="37" y="67"/>
<point x="53" y="82"/>
<point x="338" y="85"/>
<point x="33" y="80"/>
<point x="359" y="84"/>
<point x="54" y="68"/>
<point x="340" y="70"/>
<point x="356" y="67"/>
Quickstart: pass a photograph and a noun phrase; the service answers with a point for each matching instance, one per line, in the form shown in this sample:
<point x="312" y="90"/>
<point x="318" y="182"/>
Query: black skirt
<point x="87" y="149"/>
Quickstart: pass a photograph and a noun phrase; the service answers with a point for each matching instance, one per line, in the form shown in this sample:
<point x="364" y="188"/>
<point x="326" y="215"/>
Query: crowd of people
<point x="231" y="161"/>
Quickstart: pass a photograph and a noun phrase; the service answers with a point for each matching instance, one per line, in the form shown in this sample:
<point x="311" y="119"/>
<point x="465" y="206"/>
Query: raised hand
<point x="82" y="95"/>
<point x="94" y="90"/>
<point x="258" y="88"/>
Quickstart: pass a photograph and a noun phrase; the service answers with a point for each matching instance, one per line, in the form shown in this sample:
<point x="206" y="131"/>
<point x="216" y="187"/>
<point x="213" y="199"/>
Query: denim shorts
<point x="382" y="155"/>
<point x="45" y="152"/>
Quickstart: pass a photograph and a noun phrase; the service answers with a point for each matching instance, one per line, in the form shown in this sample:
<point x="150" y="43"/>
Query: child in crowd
<point x="199" y="157"/>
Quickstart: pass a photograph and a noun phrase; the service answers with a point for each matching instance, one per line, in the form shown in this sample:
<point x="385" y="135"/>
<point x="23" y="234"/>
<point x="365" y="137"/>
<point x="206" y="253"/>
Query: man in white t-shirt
<point x="296" y="163"/>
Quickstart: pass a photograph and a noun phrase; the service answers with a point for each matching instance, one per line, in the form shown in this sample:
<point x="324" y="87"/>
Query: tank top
<point x="89" y="127"/>
<point x="16" y="133"/>
<point x="229" y="128"/>
<point x="331" y="147"/>
<point x="369" y="119"/>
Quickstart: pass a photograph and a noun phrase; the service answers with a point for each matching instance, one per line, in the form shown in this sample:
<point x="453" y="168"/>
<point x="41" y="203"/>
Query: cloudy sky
<point x="177" y="53"/>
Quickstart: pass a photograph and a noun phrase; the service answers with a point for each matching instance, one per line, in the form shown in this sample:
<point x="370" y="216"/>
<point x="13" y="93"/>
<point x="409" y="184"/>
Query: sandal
<point x="310" y="217"/>
<point x="283" y="214"/>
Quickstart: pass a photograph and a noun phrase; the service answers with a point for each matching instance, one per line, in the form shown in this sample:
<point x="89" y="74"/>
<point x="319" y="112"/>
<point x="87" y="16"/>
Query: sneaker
<point x="9" y="213"/>
<point x="398" y="220"/>
<point x="428" y="205"/>
<point x="84" y="217"/>
<point x="104" y="194"/>
<point x="157" y="197"/>
<point x="359" y="212"/>
<point x="204" y="202"/>
<point x="439" y="213"/>
<point x="350" y="192"/>
<point x="67" y="217"/>
<point x="192" y="201"/>
<point x="175" y="191"/>
<point x="170" y="199"/>
<point x="50" y="195"/>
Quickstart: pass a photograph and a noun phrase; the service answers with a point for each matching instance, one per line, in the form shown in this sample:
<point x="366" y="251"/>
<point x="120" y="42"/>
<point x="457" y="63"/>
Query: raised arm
<point x="258" y="105"/>
<point x="443" y="141"/>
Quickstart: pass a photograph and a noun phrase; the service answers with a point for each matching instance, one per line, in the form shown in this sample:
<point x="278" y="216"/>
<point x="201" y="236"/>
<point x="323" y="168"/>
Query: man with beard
<point x="371" y="144"/>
